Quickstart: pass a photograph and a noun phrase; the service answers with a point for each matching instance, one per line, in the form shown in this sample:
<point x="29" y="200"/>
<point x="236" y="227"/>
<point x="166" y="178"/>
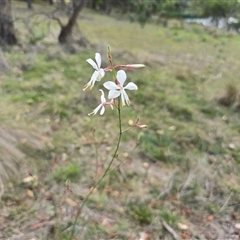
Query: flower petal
<point x="91" y="81"/>
<point x="122" y="98"/>
<point x="103" y="99"/>
<point x="127" y="101"/>
<point x="102" y="110"/>
<point x="110" y="85"/>
<point x="95" y="110"/>
<point x="113" y="94"/>
<point x="131" y="86"/>
<point x="94" y="76"/>
<point x="98" y="60"/>
<point x="101" y="73"/>
<point x="121" y="77"/>
<point x="92" y="63"/>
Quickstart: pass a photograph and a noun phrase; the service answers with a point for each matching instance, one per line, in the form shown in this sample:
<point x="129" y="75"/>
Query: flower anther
<point x="117" y="89"/>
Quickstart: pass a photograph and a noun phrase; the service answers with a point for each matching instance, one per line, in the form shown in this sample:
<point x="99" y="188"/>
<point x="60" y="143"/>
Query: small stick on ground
<point x="167" y="191"/>
<point x="226" y="202"/>
<point x="170" y="230"/>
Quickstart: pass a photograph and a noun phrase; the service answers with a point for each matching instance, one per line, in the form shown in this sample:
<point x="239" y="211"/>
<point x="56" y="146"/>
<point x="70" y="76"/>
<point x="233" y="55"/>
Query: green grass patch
<point x="71" y="172"/>
<point x="140" y="212"/>
<point x="170" y="217"/>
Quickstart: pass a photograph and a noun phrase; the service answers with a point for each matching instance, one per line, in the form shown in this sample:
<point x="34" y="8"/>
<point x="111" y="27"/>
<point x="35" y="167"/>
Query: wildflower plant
<point x="117" y="98"/>
<point x="98" y="73"/>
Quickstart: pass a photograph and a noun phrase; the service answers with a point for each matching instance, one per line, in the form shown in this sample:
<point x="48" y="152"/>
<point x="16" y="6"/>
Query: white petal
<point x="95" y="110"/>
<point x="98" y="59"/>
<point x="131" y="86"/>
<point x="92" y="63"/>
<point x="110" y="85"/>
<point x="102" y="110"/>
<point x="126" y="98"/>
<point x="100" y="75"/>
<point x="121" y="77"/>
<point x="122" y="98"/>
<point x="113" y="94"/>
<point x="101" y="72"/>
<point x="103" y="99"/>
<point x="94" y="76"/>
<point x="93" y="79"/>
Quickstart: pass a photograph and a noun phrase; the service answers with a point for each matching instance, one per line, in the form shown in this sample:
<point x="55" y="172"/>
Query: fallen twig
<point x="226" y="203"/>
<point x="167" y="191"/>
<point x="170" y="230"/>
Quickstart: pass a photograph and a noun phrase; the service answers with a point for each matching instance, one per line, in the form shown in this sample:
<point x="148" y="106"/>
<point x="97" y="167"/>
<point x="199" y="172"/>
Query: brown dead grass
<point x="230" y="96"/>
<point x="12" y="158"/>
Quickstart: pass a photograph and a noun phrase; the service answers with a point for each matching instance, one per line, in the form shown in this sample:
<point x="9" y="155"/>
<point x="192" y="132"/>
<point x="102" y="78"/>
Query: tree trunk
<point x="106" y="7"/>
<point x="29" y="4"/>
<point x="66" y="31"/>
<point x="7" y="32"/>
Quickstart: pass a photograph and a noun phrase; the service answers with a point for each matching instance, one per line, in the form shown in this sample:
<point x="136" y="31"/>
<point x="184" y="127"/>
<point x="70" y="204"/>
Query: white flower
<point x="101" y="105"/>
<point x="98" y="73"/>
<point x="115" y="90"/>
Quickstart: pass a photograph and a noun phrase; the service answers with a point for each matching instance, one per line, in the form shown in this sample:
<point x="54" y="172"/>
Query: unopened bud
<point x="135" y="65"/>
<point x="140" y="126"/>
<point x="109" y="54"/>
<point x="108" y="49"/>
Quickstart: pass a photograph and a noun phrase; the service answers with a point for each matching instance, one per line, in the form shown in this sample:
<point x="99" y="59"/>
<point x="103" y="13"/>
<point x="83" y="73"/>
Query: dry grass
<point x="12" y="157"/>
<point x="231" y="95"/>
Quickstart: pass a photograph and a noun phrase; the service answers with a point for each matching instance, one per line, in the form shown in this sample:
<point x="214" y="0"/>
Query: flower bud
<point x="135" y="66"/>
<point x="140" y="126"/>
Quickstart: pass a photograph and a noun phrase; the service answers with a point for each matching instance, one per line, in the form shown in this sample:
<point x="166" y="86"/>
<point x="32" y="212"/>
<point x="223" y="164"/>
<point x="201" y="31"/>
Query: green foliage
<point x="70" y="172"/>
<point x="218" y="9"/>
<point x="141" y="11"/>
<point x="141" y="212"/>
<point x="209" y="111"/>
<point x="212" y="208"/>
<point x="170" y="217"/>
<point x="179" y="112"/>
<point x="145" y="11"/>
<point x="156" y="147"/>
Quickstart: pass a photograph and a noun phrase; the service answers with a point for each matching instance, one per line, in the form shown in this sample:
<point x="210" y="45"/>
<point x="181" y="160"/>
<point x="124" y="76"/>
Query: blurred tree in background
<point x="219" y="9"/>
<point x="141" y="11"/>
<point x="66" y="30"/>
<point x="7" y="32"/>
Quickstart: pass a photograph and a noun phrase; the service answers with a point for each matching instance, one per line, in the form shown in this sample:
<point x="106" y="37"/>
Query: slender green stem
<point x="104" y="174"/>
<point x="96" y="153"/>
<point x="127" y="129"/>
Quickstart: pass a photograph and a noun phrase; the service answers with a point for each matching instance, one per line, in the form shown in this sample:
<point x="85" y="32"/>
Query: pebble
<point x="182" y="226"/>
<point x="237" y="226"/>
<point x="231" y="146"/>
